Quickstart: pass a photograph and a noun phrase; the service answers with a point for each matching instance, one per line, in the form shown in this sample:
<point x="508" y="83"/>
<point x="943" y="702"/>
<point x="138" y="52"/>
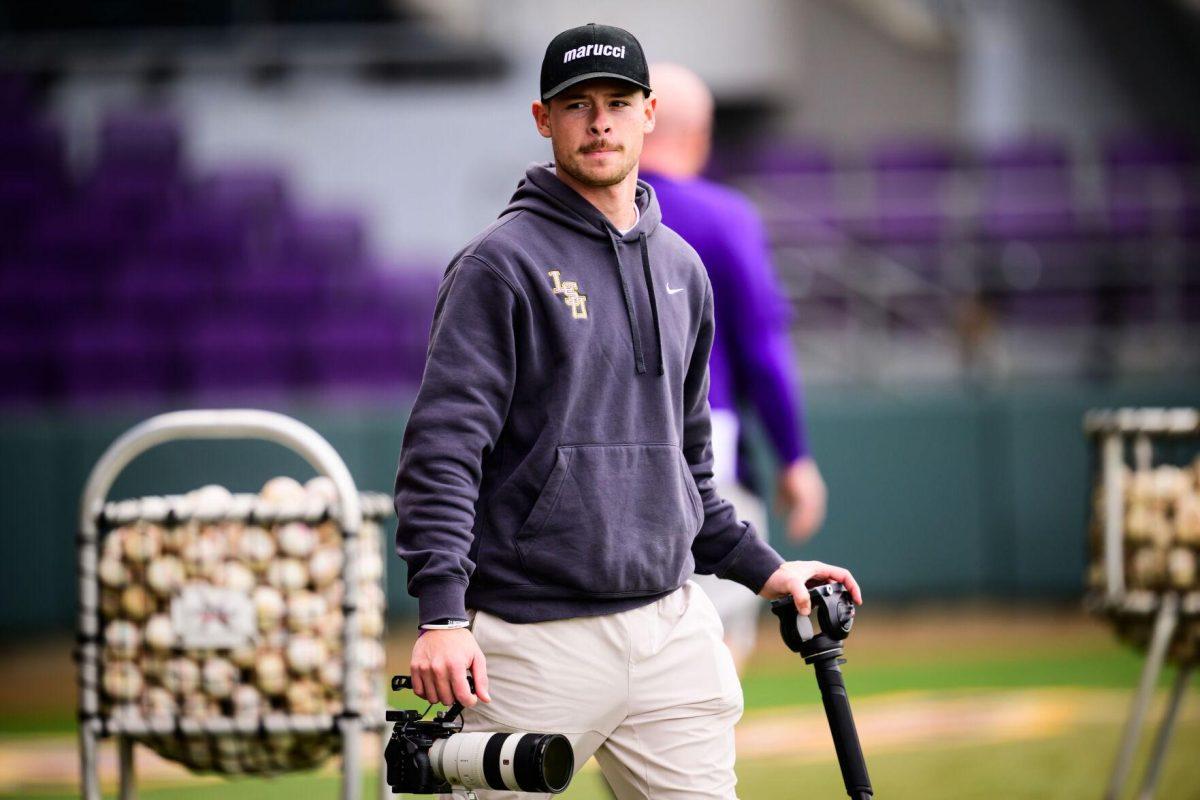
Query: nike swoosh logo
<point x="673" y="291"/>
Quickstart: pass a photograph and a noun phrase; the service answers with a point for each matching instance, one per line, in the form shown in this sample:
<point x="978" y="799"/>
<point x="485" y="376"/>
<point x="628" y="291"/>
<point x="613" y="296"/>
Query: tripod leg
<point x="1164" y="629"/>
<point x="89" y="770"/>
<point x="128" y="790"/>
<point x="1163" y="740"/>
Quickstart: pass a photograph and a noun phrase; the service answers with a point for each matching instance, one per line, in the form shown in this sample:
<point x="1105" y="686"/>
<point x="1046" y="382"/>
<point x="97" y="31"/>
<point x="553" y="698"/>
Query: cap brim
<point x="587" y="76"/>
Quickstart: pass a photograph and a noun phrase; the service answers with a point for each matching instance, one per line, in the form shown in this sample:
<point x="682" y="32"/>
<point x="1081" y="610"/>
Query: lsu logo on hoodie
<point x="571" y="296"/>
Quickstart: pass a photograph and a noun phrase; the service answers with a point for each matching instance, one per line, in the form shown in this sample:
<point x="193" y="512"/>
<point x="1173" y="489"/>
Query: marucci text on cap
<point x="593" y="51"/>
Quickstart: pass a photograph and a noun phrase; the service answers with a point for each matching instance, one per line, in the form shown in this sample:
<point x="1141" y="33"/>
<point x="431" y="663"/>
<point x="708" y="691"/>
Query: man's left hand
<point x="797" y="577"/>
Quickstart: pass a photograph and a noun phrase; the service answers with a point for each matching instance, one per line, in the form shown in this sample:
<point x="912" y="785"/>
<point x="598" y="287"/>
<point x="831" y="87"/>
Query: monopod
<point x="823" y="649"/>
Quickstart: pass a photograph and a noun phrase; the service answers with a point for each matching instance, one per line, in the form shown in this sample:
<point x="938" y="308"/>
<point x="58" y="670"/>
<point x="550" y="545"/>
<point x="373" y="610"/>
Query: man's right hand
<point x="440" y="660"/>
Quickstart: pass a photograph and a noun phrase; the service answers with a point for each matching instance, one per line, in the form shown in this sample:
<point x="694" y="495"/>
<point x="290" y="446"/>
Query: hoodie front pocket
<point x="612" y="519"/>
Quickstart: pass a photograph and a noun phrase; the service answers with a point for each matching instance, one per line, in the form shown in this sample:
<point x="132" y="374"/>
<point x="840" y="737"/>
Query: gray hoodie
<point x="557" y="460"/>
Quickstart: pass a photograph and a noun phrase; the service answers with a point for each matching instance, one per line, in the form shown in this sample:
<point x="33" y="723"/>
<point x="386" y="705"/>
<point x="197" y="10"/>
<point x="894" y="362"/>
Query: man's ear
<point x="650" y="107"/>
<point x="541" y="117"/>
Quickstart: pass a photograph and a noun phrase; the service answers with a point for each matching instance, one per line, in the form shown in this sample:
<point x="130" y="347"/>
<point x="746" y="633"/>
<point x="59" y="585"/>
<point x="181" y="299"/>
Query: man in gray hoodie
<point x="555" y="486"/>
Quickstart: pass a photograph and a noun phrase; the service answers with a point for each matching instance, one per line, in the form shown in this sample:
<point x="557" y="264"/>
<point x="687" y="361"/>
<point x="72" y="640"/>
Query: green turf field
<point x="1076" y="684"/>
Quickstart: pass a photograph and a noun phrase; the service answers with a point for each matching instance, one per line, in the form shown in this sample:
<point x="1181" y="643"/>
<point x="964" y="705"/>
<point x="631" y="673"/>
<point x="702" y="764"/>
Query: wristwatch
<point x="445" y="624"/>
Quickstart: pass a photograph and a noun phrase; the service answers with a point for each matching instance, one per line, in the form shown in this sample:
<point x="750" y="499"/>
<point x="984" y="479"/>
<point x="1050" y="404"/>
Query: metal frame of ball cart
<point x="1110" y="430"/>
<point x="215" y="424"/>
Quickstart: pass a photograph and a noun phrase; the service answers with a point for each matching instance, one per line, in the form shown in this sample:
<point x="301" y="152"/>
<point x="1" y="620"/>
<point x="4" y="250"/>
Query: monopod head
<point x="835" y="615"/>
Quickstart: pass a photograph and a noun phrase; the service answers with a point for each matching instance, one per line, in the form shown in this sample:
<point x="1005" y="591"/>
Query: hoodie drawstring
<point x="639" y="362"/>
<point x="653" y="302"/>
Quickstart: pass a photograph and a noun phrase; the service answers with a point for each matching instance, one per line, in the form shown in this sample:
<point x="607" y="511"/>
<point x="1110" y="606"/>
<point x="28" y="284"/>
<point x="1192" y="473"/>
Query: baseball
<point x="113" y="572"/>
<point x="122" y="680"/>
<point x="160" y="633"/>
<point x="233" y="575"/>
<point x="370" y="623"/>
<point x="270" y="673"/>
<point x="329" y="628"/>
<point x="297" y="540"/>
<point x="140" y="543"/>
<point x="304" y="609"/>
<point x="1187" y="518"/>
<point x="209" y="502"/>
<point x="1149" y="567"/>
<point x="283" y="491"/>
<point x="256" y="547"/>
<point x="370" y="564"/>
<point x="218" y="677"/>
<point x="330" y="673"/>
<point x="203" y="553"/>
<point x="165" y="575"/>
<point x="247" y="701"/>
<point x="305" y="697"/>
<point x="322" y="488"/>
<point x="158" y="702"/>
<point x="181" y="677"/>
<point x="287" y="574"/>
<point x="198" y="706"/>
<point x="305" y="654"/>
<point x="1181" y="568"/>
<point x="368" y="654"/>
<point x="243" y="657"/>
<point x="122" y="638"/>
<point x="269" y="607"/>
<point x="325" y="565"/>
<point x="136" y="602"/>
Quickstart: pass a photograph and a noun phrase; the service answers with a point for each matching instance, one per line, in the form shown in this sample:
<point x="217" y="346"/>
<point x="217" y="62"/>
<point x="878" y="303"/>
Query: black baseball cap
<point x="593" y="51"/>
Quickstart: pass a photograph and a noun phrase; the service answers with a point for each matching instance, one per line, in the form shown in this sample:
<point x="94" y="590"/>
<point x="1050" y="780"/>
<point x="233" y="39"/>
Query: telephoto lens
<point x="519" y="762"/>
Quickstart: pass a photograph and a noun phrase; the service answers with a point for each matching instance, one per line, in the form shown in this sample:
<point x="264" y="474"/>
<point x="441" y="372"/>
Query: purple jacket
<point x="751" y="359"/>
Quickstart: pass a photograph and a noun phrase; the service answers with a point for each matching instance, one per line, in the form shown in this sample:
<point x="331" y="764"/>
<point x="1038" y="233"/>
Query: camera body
<point x="409" y="769"/>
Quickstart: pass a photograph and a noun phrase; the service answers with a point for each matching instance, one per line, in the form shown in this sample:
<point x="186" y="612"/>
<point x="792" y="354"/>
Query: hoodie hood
<point x="542" y="193"/>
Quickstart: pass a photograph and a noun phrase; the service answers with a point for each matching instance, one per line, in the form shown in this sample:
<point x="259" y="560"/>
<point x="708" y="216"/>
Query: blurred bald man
<point x="751" y="363"/>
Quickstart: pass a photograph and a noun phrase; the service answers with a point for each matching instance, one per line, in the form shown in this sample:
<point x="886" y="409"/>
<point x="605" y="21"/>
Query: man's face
<point x="596" y="129"/>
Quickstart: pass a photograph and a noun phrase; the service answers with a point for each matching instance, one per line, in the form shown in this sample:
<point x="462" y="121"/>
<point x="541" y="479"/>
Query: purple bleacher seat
<point x="257" y="190"/>
<point x="80" y="238"/>
<point x="136" y="199"/>
<point x="333" y="241"/>
<point x="224" y="355"/>
<point x="910" y="181"/>
<point x="1027" y="191"/>
<point x="362" y="350"/>
<point x="1149" y="181"/>
<point x="24" y="200"/>
<point x="794" y="185"/>
<point x="258" y="196"/>
<point x="198" y="238"/>
<point x="35" y="148"/>
<point x="170" y="299"/>
<point x="105" y="360"/>
<point x="280" y="295"/>
<point x="35" y="293"/>
<point x="148" y="139"/>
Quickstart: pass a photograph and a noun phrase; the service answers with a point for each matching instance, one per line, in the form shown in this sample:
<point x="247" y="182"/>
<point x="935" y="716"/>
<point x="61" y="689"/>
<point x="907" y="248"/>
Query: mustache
<point x="603" y="144"/>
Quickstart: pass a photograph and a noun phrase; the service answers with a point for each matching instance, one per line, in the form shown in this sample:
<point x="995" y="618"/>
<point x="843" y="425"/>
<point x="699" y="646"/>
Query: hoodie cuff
<point x="751" y="562"/>
<point x="442" y="599"/>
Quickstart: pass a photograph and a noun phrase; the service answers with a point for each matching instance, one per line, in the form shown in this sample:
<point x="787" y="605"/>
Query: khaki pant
<point x="651" y="693"/>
